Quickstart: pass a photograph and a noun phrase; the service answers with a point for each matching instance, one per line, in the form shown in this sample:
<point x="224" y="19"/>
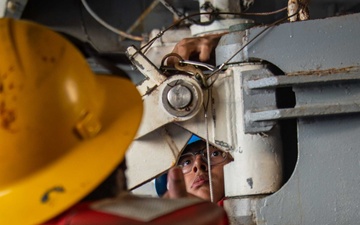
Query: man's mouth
<point x="199" y="181"/>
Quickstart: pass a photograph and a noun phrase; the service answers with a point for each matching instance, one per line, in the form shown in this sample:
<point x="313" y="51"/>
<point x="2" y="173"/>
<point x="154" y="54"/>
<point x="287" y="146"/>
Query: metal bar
<point x="305" y="111"/>
<point x="290" y="80"/>
<point x="142" y="17"/>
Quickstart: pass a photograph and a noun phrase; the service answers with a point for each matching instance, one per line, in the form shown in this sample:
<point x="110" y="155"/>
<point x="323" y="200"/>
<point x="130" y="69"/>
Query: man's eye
<point x="185" y="162"/>
<point x="216" y="153"/>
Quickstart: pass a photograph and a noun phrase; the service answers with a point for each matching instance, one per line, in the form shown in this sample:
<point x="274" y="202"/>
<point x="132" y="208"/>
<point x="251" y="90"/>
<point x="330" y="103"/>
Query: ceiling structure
<point x="139" y="17"/>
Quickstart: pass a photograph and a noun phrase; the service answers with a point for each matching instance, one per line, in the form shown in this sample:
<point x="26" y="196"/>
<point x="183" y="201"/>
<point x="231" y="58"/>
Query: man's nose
<point x="199" y="164"/>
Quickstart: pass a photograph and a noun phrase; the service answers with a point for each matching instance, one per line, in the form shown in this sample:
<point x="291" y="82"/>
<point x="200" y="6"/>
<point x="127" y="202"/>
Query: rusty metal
<point x="325" y="72"/>
<point x="303" y="77"/>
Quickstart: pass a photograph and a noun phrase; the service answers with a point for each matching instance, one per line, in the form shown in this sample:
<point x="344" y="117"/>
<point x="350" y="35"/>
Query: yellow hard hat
<point x="63" y="130"/>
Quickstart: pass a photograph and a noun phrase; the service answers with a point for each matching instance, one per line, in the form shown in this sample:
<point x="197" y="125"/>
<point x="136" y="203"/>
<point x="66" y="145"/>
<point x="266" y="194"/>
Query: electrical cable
<point x="83" y="26"/>
<point x="245" y="45"/>
<point x="205" y="106"/>
<point x="108" y="26"/>
<point x="142" y="17"/>
<point x="149" y="43"/>
<point x="174" y="11"/>
<point x="208" y="158"/>
<point x="256" y="14"/>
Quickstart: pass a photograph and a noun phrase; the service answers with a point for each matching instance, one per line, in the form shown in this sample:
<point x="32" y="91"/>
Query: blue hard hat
<point x="193" y="139"/>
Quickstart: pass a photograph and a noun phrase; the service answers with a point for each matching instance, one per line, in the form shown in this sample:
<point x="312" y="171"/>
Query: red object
<point x="200" y="213"/>
<point x="221" y="202"/>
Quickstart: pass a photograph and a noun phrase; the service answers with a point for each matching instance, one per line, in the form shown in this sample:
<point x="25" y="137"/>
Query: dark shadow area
<point x="285" y="98"/>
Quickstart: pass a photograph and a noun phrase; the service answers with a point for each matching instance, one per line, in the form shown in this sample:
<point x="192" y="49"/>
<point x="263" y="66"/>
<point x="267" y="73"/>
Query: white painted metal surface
<point x="154" y="153"/>
<point x="2" y="7"/>
<point x="12" y="8"/>
<point x="257" y="166"/>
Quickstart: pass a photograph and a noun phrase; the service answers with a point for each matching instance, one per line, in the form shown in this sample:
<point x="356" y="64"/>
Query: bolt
<point x="179" y="96"/>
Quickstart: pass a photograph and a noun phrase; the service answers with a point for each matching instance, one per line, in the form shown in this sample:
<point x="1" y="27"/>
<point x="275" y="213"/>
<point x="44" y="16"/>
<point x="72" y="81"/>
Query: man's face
<point x="196" y="171"/>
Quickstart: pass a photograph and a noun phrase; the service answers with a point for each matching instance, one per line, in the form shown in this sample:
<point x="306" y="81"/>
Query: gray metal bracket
<point x="318" y="94"/>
